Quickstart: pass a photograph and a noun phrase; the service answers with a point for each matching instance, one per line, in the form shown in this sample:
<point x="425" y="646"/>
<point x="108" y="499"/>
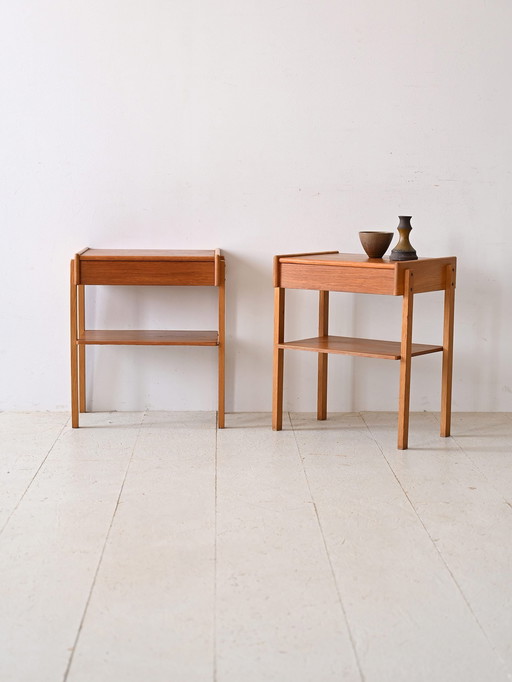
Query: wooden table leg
<point x="277" y="382"/>
<point x="323" y="330"/>
<point x="446" y="385"/>
<point x="81" y="348"/>
<point x="74" y="350"/>
<point x="405" y="362"/>
<point x="222" y="346"/>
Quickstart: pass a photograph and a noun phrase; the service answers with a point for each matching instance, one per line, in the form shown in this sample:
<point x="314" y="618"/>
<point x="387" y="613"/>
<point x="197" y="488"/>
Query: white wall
<point x="260" y="127"/>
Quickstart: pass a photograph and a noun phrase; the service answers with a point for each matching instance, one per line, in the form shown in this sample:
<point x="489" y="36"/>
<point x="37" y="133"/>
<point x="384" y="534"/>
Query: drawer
<point x="147" y="272"/>
<point x="337" y="278"/>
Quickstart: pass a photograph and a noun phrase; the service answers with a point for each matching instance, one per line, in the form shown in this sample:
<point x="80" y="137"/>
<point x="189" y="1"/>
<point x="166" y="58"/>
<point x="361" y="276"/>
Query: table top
<point x="148" y="254"/>
<point x="356" y="260"/>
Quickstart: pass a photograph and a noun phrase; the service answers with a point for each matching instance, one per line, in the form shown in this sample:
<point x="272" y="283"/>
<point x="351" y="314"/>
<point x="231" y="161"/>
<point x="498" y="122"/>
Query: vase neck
<point x="405" y="222"/>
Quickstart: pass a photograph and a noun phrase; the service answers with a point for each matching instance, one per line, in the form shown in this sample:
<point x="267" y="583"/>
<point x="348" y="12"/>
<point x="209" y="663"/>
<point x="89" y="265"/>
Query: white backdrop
<point x="259" y="127"/>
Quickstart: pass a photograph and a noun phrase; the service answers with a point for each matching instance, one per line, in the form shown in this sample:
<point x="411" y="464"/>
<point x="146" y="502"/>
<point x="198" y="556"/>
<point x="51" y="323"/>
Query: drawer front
<point x="163" y="273"/>
<point x="338" y="278"/>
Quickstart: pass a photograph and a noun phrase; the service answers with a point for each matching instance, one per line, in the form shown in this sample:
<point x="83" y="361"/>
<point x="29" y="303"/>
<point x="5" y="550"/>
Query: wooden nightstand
<point x="334" y="271"/>
<point x="142" y="267"/>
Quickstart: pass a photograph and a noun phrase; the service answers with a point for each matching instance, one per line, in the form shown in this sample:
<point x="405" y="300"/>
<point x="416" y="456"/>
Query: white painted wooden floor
<point x="153" y="547"/>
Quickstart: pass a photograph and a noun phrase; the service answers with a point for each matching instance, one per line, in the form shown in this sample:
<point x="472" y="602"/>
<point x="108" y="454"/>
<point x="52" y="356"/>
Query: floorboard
<point x="52" y="545"/>
<point x="154" y="546"/>
<point x="151" y="611"/>
<point x="279" y="616"/>
<point x="460" y="488"/>
<point x="400" y="596"/>
<point x="26" y="439"/>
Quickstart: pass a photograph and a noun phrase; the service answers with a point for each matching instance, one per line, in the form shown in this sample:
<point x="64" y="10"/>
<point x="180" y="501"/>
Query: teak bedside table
<point x="142" y="267"/>
<point x="334" y="271"/>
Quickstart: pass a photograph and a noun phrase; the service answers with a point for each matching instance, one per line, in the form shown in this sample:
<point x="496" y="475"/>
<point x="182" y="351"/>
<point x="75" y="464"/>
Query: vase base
<point x="403" y="255"/>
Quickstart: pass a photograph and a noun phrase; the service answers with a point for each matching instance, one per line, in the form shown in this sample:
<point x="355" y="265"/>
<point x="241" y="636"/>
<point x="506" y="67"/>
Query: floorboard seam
<point x="460" y="446"/>
<point x="480" y="471"/>
<point x="98" y="566"/>
<point x="215" y="560"/>
<point x="33" y="477"/>
<point x="439" y="553"/>
<point x="331" y="567"/>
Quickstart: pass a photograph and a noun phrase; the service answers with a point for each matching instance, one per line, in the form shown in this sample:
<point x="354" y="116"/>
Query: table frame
<point x="142" y="267"/>
<point x="332" y="271"/>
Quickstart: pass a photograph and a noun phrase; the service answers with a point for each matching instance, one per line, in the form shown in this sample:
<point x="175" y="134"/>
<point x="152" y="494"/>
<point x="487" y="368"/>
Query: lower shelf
<point x="369" y="348"/>
<point x="147" y="337"/>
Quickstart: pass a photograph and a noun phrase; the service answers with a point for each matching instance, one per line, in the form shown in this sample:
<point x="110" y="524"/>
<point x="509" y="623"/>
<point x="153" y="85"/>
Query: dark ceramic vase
<point x="403" y="250"/>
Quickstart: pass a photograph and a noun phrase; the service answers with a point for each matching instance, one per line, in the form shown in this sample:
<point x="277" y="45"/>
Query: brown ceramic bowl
<point x="375" y="243"/>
